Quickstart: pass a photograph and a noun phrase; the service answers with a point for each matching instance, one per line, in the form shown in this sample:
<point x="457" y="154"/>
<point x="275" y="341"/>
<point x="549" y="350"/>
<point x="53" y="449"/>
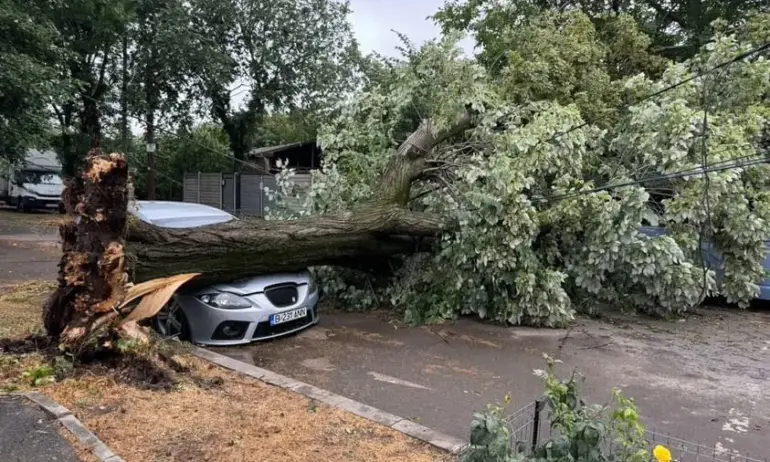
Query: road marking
<point x="395" y="381"/>
<point x="738" y="423"/>
<point x="319" y="364"/>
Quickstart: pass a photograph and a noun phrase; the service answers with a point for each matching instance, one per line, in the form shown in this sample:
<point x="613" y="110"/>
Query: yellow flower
<point x="662" y="454"/>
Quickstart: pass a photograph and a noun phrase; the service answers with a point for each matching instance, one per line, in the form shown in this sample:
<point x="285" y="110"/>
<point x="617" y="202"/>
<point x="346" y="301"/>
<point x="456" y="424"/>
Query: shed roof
<point x="268" y="151"/>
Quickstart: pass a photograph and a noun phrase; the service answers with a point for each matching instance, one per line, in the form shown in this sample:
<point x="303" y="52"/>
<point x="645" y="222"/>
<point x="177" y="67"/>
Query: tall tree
<point x="677" y="27"/>
<point x="162" y="69"/>
<point x="29" y="78"/>
<point x="264" y="57"/>
<point x="91" y="31"/>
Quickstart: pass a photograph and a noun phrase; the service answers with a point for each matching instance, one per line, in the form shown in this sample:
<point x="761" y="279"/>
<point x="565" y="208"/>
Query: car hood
<point x="45" y="189"/>
<point x="247" y="286"/>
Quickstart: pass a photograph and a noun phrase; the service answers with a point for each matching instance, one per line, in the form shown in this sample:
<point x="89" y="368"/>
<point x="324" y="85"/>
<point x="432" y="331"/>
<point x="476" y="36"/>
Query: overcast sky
<point x="374" y="22"/>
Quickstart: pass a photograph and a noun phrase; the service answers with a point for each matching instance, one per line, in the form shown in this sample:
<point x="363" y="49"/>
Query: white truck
<point x="34" y="183"/>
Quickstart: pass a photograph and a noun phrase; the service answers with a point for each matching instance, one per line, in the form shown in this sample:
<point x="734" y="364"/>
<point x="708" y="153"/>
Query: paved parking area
<point x="703" y="379"/>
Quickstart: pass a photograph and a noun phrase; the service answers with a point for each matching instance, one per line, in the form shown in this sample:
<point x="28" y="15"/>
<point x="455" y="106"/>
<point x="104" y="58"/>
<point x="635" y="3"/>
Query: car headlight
<point x="225" y="300"/>
<point x="311" y="286"/>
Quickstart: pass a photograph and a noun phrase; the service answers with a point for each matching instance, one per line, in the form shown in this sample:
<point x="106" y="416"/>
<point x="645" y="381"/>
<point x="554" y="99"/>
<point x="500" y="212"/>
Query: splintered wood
<point x="92" y="271"/>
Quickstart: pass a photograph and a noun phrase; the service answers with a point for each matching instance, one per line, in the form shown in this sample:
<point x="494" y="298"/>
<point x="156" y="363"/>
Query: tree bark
<point x="233" y="250"/>
<point x="92" y="275"/>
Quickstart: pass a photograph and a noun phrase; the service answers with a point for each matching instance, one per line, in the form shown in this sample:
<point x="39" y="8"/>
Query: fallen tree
<point x="381" y="227"/>
<point x="102" y="247"/>
<point x="503" y="194"/>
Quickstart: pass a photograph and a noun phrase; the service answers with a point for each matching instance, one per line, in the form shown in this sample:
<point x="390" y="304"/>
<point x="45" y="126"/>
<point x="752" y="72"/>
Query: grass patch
<point x="191" y="410"/>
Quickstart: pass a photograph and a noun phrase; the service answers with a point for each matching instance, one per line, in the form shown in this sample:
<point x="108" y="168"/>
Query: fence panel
<point x="211" y="189"/>
<point x="251" y="195"/>
<point x="221" y="190"/>
<point x="228" y="192"/>
<point x="191" y="190"/>
<point x="530" y="427"/>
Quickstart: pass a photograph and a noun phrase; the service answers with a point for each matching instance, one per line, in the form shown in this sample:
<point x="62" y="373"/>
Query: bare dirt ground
<point x="702" y="379"/>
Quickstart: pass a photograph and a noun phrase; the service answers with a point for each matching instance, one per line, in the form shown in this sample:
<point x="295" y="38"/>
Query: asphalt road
<point x="703" y="380"/>
<point x="29" y="248"/>
<point x="23" y="261"/>
<point x="28" y="434"/>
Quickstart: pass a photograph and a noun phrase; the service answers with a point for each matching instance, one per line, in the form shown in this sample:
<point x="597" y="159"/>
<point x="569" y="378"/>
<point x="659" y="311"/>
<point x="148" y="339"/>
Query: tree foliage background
<point x="528" y="241"/>
<point x="560" y="97"/>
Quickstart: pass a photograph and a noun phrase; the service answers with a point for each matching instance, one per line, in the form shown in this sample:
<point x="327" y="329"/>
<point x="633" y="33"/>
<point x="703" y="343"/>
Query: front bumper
<point x="253" y="324"/>
<point x="40" y="203"/>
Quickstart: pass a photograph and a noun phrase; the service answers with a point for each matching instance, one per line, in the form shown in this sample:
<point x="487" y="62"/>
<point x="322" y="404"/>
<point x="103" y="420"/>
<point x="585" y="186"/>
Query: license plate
<point x="51" y="206"/>
<point x="286" y="316"/>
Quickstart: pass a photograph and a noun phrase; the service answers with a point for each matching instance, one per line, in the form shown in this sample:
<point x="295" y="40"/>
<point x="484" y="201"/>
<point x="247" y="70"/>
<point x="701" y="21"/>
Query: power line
<point x="672" y="176"/>
<point x="671" y="87"/>
<point x="664" y="90"/>
<point x="170" y="132"/>
<point x="676" y="85"/>
<point x="158" y="172"/>
<point x="724" y="148"/>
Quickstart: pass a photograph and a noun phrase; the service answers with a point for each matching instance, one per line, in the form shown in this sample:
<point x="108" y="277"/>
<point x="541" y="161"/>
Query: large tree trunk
<point x="90" y="276"/>
<point x="239" y="248"/>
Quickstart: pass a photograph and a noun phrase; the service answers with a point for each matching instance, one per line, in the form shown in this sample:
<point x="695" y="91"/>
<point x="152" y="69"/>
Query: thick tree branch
<point x="413" y="158"/>
<point x="240" y="248"/>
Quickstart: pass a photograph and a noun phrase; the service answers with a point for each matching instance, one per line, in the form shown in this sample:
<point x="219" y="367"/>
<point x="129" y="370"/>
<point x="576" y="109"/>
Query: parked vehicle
<point x="34" y="183"/>
<point x="238" y="312"/>
<point x="715" y="262"/>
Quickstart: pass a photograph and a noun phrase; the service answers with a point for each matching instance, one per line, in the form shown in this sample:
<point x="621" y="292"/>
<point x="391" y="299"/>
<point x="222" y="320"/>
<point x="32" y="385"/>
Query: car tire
<point x="20" y="206"/>
<point x="172" y="322"/>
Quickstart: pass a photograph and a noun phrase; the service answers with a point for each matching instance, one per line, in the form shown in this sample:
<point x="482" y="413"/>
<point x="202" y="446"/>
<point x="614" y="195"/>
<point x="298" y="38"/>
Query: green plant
<point x="490" y="437"/>
<point x="526" y="237"/>
<point x="40" y="375"/>
<point x="583" y="432"/>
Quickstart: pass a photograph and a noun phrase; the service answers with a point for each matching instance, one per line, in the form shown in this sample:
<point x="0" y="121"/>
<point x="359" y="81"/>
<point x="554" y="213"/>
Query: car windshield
<point x="38" y="177"/>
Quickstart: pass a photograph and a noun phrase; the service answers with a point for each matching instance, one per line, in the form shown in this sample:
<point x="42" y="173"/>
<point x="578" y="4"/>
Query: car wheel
<point x="20" y="204"/>
<point x="171" y="321"/>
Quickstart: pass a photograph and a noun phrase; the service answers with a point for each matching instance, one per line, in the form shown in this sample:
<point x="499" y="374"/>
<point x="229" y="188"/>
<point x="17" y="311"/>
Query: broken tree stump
<point x="92" y="270"/>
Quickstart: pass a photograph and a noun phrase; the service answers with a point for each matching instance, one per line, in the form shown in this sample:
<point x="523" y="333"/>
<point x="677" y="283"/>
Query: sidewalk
<point x="29" y="434"/>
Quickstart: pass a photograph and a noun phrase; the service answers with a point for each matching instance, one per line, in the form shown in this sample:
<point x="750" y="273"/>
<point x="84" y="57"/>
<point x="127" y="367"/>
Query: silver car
<point x="234" y="313"/>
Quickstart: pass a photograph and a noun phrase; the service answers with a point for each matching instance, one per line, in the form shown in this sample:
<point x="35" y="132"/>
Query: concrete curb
<point x="76" y="427"/>
<point x="420" y="432"/>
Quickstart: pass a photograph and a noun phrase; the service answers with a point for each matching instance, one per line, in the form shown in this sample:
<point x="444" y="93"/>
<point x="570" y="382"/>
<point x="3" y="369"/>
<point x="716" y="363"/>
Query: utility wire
<point x="671" y="176"/>
<point x="671" y="87"/>
<point x="705" y="262"/>
<point x="713" y="164"/>
<point x="664" y="90"/>
<point x="144" y="164"/>
<point x="676" y="85"/>
<point x="200" y="145"/>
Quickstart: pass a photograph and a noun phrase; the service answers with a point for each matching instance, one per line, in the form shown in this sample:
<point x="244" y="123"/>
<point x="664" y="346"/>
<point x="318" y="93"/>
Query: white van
<point x="35" y="183"/>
